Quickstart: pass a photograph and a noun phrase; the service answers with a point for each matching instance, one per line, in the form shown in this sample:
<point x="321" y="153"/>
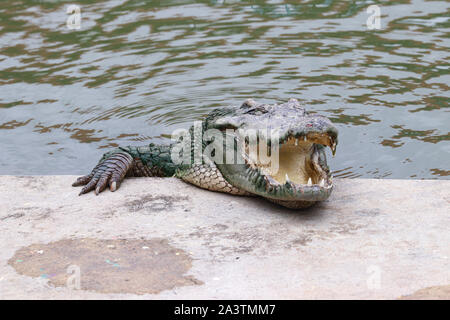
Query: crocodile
<point x="297" y="175"/>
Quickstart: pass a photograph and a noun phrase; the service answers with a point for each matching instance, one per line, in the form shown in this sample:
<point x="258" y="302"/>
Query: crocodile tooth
<point x="333" y="148"/>
<point x="266" y="183"/>
<point x="272" y="180"/>
<point x="304" y="138"/>
<point x="296" y="142"/>
<point x="309" y="182"/>
<point x="287" y="179"/>
<point x="322" y="183"/>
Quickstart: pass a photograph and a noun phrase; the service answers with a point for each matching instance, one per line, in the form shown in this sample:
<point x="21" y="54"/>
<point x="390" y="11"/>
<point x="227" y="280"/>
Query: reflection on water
<point x="137" y="70"/>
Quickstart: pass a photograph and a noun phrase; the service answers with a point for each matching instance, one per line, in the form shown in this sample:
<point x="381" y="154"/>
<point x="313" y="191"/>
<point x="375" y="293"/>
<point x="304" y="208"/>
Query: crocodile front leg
<point x="149" y="161"/>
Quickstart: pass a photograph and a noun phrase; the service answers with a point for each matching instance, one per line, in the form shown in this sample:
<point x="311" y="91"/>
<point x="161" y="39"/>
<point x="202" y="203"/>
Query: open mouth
<point x="300" y="172"/>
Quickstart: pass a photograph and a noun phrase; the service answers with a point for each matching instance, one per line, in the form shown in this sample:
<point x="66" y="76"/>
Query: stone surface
<point x="382" y="239"/>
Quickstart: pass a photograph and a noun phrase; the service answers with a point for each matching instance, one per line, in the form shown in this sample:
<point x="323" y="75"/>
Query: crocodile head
<point x="297" y="174"/>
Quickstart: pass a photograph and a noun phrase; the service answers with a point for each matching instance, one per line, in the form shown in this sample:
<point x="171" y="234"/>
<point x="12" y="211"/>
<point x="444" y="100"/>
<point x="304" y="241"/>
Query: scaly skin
<point x="302" y="138"/>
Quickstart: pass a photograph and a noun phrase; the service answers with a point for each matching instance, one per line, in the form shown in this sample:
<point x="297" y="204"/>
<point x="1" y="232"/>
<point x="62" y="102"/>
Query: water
<point x="137" y="70"/>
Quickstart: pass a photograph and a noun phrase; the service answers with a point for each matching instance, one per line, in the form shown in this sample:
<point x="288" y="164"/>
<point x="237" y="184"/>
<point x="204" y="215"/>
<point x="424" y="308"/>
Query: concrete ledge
<point x="161" y="238"/>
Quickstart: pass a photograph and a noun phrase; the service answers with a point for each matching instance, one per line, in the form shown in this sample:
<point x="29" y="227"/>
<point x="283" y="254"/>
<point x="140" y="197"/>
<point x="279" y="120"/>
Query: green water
<point x="137" y="70"/>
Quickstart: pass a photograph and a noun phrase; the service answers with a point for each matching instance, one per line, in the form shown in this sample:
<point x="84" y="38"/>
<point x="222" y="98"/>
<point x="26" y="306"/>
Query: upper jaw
<point x="312" y="128"/>
<point x="328" y="138"/>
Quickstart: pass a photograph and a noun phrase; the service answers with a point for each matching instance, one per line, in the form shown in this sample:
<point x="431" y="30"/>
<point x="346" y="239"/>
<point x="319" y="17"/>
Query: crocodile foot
<point x="111" y="171"/>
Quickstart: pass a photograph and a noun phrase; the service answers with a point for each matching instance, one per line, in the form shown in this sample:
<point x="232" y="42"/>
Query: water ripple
<point x="137" y="70"/>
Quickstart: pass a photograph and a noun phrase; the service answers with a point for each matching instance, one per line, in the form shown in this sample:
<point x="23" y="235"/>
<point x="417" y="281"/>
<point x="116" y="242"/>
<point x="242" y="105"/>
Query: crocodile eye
<point x="249" y="103"/>
<point x="256" y="110"/>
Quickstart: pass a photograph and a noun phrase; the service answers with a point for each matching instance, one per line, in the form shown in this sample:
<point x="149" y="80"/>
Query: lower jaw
<point x="308" y="194"/>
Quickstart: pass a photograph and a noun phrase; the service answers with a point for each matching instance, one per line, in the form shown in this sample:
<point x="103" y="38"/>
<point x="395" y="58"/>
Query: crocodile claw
<point x="111" y="171"/>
